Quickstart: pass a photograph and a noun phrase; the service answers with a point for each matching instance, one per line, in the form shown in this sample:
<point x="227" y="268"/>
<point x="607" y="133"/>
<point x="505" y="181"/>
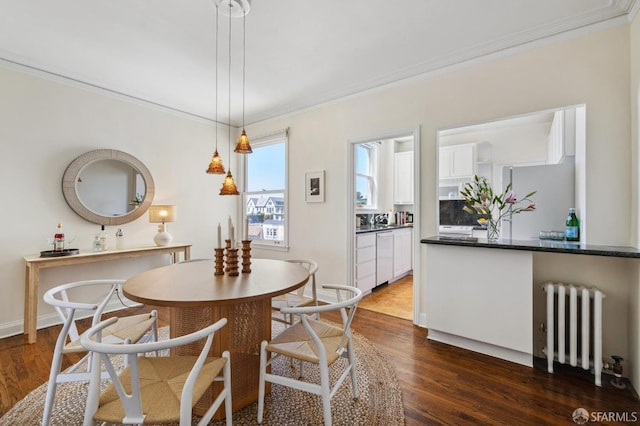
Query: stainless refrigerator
<point x="555" y="184"/>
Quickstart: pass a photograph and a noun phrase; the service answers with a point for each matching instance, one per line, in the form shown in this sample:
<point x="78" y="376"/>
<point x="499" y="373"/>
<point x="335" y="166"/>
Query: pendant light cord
<point x="216" y="108"/>
<point x="229" y="118"/>
<point x="244" y="59"/>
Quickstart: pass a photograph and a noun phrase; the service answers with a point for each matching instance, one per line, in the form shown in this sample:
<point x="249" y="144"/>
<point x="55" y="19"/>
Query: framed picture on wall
<point x="314" y="187"/>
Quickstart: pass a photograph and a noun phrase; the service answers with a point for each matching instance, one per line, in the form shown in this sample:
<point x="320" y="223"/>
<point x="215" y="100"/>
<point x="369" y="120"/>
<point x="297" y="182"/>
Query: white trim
<point x="261" y="141"/>
<point x="481" y="347"/>
<point x="70" y="81"/>
<point x="461" y="60"/>
<point x="617" y="14"/>
<point x="414" y="132"/>
<point x="15" y="328"/>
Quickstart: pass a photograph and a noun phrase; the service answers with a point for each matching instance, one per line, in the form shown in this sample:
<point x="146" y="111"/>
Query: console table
<point x="34" y="263"/>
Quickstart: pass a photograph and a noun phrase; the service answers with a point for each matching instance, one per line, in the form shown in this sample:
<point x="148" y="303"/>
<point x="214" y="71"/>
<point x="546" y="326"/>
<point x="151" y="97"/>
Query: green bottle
<point x="572" y="231"/>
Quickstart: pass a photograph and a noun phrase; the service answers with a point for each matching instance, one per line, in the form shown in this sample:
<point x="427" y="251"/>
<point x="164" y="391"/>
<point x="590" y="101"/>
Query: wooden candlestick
<point x="246" y="256"/>
<point x="219" y="261"/>
<point x="227" y="248"/>
<point x="232" y="262"/>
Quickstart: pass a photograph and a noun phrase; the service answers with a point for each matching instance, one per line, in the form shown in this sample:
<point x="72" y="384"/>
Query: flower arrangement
<point x="480" y="199"/>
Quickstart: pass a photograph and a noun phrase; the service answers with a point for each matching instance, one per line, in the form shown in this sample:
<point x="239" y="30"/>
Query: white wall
<point x="593" y="69"/>
<point x="44" y="125"/>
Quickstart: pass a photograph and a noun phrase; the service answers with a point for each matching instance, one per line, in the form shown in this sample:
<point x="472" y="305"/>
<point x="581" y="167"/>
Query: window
<point x="265" y="195"/>
<point x="366" y="175"/>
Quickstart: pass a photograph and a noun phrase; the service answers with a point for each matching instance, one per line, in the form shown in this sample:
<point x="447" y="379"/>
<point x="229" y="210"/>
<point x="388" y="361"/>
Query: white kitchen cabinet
<point x="491" y="313"/>
<point x="384" y="257"/>
<point x="562" y="136"/>
<point x="403" y="178"/>
<point x="457" y="162"/>
<point x="402" y="252"/>
<point x="366" y="261"/>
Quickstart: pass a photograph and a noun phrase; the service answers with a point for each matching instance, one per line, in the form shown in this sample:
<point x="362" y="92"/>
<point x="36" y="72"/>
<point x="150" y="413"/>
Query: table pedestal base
<point x="248" y="324"/>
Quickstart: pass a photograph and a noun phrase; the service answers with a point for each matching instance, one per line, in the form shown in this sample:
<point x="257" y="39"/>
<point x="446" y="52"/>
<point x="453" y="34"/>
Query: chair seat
<point x="161" y="383"/>
<point x="290" y="300"/>
<point x="132" y="327"/>
<point x="295" y="341"/>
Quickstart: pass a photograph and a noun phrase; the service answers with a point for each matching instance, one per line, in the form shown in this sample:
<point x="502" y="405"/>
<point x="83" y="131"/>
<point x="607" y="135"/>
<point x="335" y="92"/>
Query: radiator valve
<point x="617" y="372"/>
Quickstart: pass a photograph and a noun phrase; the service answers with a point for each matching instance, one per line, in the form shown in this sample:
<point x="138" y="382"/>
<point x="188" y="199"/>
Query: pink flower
<point x="530" y="207"/>
<point x="511" y="199"/>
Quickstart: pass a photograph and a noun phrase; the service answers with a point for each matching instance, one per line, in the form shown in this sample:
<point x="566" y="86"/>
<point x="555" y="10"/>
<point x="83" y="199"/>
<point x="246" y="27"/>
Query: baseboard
<point x="482" y="347"/>
<point x="15" y="328"/>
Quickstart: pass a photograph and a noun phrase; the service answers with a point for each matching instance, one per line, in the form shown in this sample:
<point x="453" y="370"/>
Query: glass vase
<point x="493" y="231"/>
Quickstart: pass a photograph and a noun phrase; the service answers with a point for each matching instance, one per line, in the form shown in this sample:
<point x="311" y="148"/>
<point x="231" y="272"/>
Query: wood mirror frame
<point x="72" y="174"/>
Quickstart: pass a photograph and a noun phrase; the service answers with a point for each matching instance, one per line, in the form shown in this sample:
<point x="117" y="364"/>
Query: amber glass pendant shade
<point x="243" y="146"/>
<point x="216" y="167"/>
<point x="229" y="186"/>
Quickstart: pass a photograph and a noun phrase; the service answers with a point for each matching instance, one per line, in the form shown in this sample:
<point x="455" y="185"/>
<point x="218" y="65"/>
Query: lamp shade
<point x="228" y="185"/>
<point x="243" y="146"/>
<point x="216" y="167"/>
<point x="162" y="213"/>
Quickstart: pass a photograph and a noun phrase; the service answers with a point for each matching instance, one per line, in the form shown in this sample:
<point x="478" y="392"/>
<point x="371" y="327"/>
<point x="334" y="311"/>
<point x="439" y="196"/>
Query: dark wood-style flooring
<point x="440" y="384"/>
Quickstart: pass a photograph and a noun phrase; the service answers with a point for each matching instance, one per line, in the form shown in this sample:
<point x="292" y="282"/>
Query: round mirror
<point x="108" y="187"/>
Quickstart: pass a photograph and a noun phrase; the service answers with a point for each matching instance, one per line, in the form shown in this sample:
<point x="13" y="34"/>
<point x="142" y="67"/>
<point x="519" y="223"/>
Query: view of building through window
<point x="265" y="195"/>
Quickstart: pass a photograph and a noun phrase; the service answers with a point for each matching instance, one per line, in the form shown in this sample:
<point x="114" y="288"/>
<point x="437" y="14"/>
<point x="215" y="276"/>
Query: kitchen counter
<point x="490" y="298"/>
<point x="549" y="246"/>
<point x="378" y="228"/>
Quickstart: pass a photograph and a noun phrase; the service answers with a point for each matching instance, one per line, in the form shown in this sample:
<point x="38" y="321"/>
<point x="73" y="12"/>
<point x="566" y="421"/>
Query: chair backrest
<point x="62" y="299"/>
<point x="313" y="268"/>
<point x="347" y="298"/>
<point x="132" y="403"/>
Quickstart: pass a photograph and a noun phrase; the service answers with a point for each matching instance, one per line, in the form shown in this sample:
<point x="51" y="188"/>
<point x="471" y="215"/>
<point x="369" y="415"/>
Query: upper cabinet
<point x="403" y="178"/>
<point x="562" y="135"/>
<point x="457" y="162"/>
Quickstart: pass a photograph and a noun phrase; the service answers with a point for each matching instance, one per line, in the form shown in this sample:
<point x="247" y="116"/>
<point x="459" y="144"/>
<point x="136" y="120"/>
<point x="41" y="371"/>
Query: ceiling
<point x="298" y="53"/>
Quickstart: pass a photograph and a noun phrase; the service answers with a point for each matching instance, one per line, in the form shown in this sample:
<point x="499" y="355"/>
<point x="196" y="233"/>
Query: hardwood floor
<point x="441" y="384"/>
<point x="395" y="299"/>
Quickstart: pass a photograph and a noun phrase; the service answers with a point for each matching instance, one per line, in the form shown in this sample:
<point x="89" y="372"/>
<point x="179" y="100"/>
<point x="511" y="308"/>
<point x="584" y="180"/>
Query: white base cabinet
<point x="481" y="299"/>
<point x="366" y="261"/>
<point x="402" y="252"/>
<point x="384" y="257"/>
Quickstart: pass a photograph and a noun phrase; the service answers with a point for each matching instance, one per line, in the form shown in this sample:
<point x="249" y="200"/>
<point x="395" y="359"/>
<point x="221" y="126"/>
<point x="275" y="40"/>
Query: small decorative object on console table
<point x="480" y="199"/>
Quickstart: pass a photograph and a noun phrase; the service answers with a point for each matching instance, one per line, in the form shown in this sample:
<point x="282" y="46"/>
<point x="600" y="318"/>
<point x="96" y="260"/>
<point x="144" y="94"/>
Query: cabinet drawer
<point x="366" y="240"/>
<point x="366" y="284"/>
<point x="365" y="269"/>
<point x="365" y="254"/>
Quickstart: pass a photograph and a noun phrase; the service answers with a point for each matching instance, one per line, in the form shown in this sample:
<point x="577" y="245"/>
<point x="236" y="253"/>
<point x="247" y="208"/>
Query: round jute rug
<point x="379" y="402"/>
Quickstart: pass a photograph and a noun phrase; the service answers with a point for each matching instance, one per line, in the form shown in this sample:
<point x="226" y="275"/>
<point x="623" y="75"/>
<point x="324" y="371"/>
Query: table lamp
<point x="162" y="214"/>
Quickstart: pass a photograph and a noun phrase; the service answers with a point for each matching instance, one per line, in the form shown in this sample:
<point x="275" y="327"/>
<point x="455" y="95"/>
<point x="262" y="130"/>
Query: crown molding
<point x="613" y="15"/>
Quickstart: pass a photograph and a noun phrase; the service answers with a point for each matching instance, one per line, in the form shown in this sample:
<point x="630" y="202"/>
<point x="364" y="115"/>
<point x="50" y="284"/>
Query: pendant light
<point x="228" y="185"/>
<point x="216" y="167"/>
<point x="243" y="146"/>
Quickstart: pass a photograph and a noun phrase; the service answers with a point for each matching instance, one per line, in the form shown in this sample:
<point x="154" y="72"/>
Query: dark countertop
<point x="378" y="228"/>
<point x="548" y="246"/>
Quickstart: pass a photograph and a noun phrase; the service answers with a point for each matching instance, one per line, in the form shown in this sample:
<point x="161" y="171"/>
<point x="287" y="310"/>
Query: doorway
<point x="374" y="198"/>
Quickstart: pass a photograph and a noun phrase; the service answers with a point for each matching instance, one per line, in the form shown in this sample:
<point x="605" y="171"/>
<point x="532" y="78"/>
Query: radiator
<point x="579" y="331"/>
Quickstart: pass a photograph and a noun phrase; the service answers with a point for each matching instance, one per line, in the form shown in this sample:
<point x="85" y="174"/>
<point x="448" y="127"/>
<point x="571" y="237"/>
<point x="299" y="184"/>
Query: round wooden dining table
<point x="197" y="298"/>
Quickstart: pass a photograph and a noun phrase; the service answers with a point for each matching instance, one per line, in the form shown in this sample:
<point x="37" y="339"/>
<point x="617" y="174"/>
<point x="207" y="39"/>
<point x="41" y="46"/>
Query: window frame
<point x="373" y="176"/>
<point x="258" y="142"/>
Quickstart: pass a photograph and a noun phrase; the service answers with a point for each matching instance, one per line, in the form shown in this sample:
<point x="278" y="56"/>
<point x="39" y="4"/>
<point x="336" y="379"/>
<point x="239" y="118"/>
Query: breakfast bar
<point x="489" y="297"/>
